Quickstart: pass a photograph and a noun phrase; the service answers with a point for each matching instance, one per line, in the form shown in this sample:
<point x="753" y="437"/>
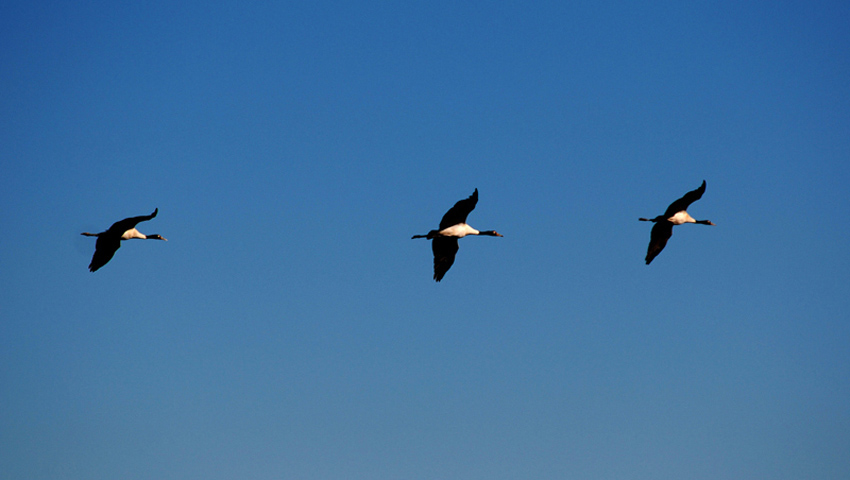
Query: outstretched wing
<point x="104" y="249"/>
<point x="444" y="249"/>
<point x="684" y="202"/>
<point x="661" y="232"/>
<point x="128" y="223"/>
<point x="459" y="212"/>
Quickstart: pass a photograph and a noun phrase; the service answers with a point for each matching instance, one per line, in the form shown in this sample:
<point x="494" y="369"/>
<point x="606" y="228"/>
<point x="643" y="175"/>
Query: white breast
<point x="680" y="218"/>
<point x="132" y="233"/>
<point x="460" y="230"/>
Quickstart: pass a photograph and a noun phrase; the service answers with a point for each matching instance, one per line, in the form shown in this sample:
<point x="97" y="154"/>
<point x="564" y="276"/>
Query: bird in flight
<point x="109" y="242"/>
<point x="676" y="214"/>
<point x="452" y="227"/>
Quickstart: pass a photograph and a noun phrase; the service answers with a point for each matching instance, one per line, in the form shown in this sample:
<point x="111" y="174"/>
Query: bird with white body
<point x="109" y="242"/>
<point x="452" y="227"/>
<point x="676" y="214"/>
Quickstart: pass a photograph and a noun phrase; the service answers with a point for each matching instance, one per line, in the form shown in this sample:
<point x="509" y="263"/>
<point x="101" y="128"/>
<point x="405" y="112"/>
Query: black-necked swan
<point x="452" y="227"/>
<point x="109" y="242"/>
<point x="676" y="214"/>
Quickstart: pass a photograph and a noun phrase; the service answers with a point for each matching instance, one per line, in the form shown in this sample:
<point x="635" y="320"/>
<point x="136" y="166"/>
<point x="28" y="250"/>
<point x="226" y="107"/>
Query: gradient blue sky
<point x="290" y="329"/>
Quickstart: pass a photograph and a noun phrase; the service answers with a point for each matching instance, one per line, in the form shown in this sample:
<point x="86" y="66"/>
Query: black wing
<point x="444" y="249"/>
<point x="661" y="232"/>
<point x="104" y="249"/>
<point x="459" y="212"/>
<point x="684" y="202"/>
<point x="128" y="223"/>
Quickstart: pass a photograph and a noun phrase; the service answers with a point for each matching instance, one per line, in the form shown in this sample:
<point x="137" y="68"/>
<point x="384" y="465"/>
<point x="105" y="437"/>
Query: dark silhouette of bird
<point x="676" y="214"/>
<point x="452" y="227"/>
<point x="109" y="242"/>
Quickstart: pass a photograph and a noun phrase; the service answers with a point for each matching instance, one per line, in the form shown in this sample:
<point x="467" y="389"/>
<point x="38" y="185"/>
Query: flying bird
<point x="452" y="227"/>
<point x="109" y="242"/>
<point x="676" y="214"/>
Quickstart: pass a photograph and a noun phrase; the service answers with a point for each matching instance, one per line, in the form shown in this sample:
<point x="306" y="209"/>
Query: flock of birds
<point x="444" y="244"/>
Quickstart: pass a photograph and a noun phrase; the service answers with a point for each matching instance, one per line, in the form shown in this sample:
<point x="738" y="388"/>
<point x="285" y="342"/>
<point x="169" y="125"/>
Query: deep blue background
<point x="290" y="328"/>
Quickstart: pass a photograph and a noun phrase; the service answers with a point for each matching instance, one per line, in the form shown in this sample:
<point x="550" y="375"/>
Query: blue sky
<point x="290" y="328"/>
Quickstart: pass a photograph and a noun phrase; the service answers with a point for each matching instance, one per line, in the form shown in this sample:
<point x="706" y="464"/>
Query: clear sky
<point x="291" y="329"/>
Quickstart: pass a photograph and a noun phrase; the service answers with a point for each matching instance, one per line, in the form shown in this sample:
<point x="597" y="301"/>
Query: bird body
<point x="676" y="214"/>
<point x="680" y="218"/>
<point x="109" y="242"/>
<point x="133" y="233"/>
<point x="460" y="230"/>
<point x="452" y="227"/>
